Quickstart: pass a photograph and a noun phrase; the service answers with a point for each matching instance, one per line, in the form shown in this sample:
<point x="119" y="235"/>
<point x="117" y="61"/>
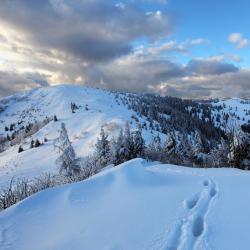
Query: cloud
<point x="210" y="67"/>
<point x="143" y="73"/>
<point x="133" y="72"/>
<point x="93" y="30"/>
<point x="174" y="47"/>
<point x="238" y="40"/>
<point x="92" y="42"/>
<point x="12" y="82"/>
<point x="199" y="41"/>
<point x="232" y="84"/>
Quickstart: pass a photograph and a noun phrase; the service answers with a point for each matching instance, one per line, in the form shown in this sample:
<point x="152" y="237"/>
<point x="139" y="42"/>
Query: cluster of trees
<point x="19" y="133"/>
<point x="126" y="146"/>
<point x="3" y="143"/>
<point x="73" y="107"/>
<point x="177" y="148"/>
<point x="166" y="114"/>
<point x="33" y="144"/>
<point x="201" y="134"/>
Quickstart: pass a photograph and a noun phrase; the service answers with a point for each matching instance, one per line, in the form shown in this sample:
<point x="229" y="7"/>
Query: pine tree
<point x="103" y="149"/>
<point x="128" y="143"/>
<point x="170" y="150"/>
<point x="69" y="164"/>
<point x="32" y="144"/>
<point x="138" y="143"/>
<point x="117" y="149"/>
<point x="20" y="149"/>
<point x="155" y="151"/>
<point x="37" y="143"/>
<point x="8" y="137"/>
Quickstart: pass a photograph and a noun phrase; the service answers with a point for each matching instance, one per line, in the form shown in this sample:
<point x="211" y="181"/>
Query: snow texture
<point x="137" y="205"/>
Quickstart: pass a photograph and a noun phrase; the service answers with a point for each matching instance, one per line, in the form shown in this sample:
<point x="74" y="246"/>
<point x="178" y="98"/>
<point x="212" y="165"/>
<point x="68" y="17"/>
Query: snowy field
<point x="138" y="205"/>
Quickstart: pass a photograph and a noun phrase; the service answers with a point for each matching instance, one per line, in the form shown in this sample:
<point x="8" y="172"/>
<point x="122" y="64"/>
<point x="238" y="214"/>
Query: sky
<point x="190" y="49"/>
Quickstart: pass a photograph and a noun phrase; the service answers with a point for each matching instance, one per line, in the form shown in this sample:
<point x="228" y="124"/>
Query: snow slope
<point x="83" y="126"/>
<point x="104" y="109"/>
<point x="237" y="107"/>
<point x="137" y="205"/>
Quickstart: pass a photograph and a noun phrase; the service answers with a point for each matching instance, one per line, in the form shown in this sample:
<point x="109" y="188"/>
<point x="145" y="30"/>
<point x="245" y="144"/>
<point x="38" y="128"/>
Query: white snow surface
<point x="237" y="106"/>
<point x="137" y="205"/>
<point x="83" y="126"/>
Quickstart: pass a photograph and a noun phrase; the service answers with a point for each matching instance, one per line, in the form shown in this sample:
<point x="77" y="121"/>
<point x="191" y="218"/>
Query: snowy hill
<point x="239" y="108"/>
<point x="193" y="124"/>
<point x="137" y="205"/>
<point x="97" y="108"/>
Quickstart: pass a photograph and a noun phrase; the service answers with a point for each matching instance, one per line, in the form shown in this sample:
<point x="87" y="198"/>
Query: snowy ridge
<point x="83" y="126"/>
<point x="237" y="107"/>
<point x="97" y="108"/>
<point x="137" y="205"/>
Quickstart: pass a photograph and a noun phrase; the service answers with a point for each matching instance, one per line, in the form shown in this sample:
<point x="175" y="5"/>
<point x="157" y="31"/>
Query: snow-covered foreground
<point x="137" y="205"/>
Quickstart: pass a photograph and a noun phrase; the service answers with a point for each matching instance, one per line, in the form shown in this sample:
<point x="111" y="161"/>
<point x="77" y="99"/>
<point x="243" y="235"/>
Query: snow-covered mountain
<point x="236" y="107"/>
<point x="97" y="108"/>
<point x="138" y="205"/>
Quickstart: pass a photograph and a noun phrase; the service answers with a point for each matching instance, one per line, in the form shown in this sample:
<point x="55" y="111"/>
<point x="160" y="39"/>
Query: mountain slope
<point x="137" y="205"/>
<point x="97" y="108"/>
<point x="192" y="123"/>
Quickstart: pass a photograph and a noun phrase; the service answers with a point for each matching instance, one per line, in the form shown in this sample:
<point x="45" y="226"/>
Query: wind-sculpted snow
<point x="137" y="205"/>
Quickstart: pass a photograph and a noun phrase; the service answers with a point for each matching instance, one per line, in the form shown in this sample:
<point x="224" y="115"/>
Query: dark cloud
<point x="186" y="91"/>
<point x="144" y="73"/>
<point x="90" y="42"/>
<point x="94" y="30"/>
<point x="12" y="82"/>
<point x="210" y="67"/>
<point x="133" y="72"/>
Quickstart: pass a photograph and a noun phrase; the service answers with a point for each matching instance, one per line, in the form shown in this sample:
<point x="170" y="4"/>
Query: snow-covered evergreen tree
<point x="170" y="150"/>
<point x="219" y="155"/>
<point x="196" y="149"/>
<point x="117" y="149"/>
<point x="154" y="150"/>
<point x="128" y="143"/>
<point x="138" y="143"/>
<point x="102" y="149"/>
<point x="69" y="164"/>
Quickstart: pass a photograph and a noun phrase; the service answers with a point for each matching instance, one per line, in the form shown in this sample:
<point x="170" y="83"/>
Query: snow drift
<point x="137" y="205"/>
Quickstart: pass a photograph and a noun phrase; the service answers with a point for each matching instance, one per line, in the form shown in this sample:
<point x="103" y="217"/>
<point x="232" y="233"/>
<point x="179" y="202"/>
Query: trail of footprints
<point x="189" y="231"/>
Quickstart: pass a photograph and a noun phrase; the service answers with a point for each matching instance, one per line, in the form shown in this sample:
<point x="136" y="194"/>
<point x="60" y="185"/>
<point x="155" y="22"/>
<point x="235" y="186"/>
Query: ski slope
<point x="137" y="205"/>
